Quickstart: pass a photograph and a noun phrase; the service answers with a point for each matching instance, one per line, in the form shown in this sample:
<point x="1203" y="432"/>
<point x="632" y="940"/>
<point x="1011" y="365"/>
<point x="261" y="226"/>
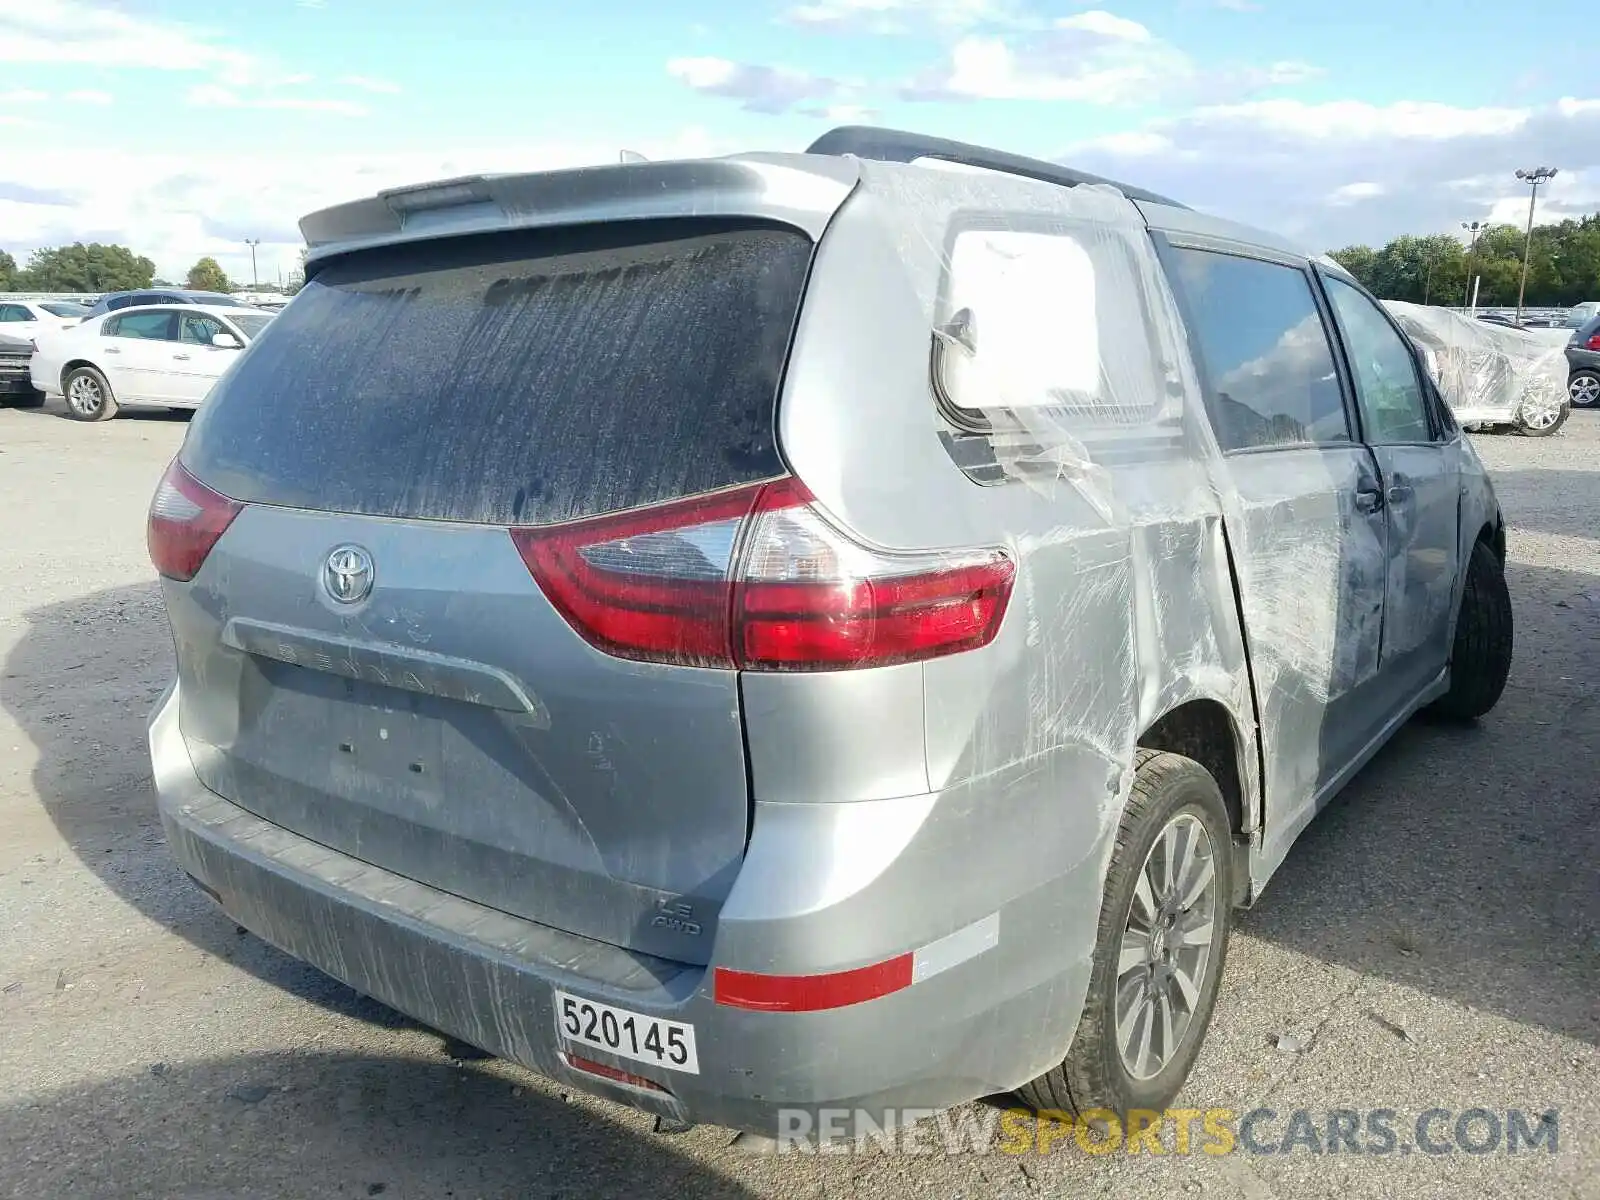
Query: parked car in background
<point x="112" y="301"/>
<point x="24" y="318"/>
<point x="1583" y="363"/>
<point x="1491" y="374"/>
<point x="16" y="383"/>
<point x="1580" y="314"/>
<point x="810" y="629"/>
<point x="157" y="355"/>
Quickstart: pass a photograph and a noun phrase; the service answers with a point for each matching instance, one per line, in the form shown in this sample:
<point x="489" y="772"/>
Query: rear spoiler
<point x="793" y="189"/>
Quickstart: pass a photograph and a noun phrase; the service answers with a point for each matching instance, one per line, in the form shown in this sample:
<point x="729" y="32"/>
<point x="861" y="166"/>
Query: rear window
<point x="515" y="379"/>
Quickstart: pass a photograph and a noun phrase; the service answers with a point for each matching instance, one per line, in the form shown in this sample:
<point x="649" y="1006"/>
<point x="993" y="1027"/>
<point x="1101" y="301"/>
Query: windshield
<point x="250" y="324"/>
<point x="60" y="308"/>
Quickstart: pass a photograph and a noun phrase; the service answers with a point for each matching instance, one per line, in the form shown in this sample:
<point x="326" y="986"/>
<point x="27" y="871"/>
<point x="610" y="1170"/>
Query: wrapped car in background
<point x="1489" y="374"/>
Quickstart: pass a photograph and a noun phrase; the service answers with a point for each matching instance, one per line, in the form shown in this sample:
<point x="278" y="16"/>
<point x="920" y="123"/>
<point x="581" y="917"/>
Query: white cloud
<point x="849" y="114"/>
<point x="759" y="89"/>
<point x="178" y="208"/>
<point x="23" y="96"/>
<point x="12" y="121"/>
<point x="1093" y="56"/>
<point x="89" y="96"/>
<point x="210" y="95"/>
<point x="1353" y="193"/>
<point x="77" y="33"/>
<point x="1107" y="25"/>
<point x="899" y="16"/>
<point x="1346" y="171"/>
<point x="368" y="84"/>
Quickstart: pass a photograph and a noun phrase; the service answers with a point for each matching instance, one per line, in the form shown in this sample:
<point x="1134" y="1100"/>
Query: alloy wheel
<point x="1166" y="946"/>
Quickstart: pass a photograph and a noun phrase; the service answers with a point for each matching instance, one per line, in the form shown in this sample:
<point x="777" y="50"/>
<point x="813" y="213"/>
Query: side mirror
<point x="226" y="341"/>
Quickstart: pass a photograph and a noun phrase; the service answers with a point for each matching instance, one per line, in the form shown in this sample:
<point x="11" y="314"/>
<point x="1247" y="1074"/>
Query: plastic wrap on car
<point x="1487" y="373"/>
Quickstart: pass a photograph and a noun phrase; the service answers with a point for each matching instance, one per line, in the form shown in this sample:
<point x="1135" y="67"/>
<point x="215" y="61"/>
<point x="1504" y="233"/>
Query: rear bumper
<point x="980" y="1027"/>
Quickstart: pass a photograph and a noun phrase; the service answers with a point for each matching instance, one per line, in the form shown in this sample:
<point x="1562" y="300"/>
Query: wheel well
<point x="1203" y="730"/>
<point x="69" y="367"/>
<point x="1494" y="537"/>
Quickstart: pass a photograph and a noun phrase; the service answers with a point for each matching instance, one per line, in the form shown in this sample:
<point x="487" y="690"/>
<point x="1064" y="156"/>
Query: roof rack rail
<point x="892" y="145"/>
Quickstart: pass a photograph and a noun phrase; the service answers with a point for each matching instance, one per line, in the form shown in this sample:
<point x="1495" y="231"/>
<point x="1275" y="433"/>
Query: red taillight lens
<point x="653" y="585"/>
<point x="761" y="579"/>
<point x="186" y="519"/>
<point x="1594" y="342"/>
<point x="811" y="598"/>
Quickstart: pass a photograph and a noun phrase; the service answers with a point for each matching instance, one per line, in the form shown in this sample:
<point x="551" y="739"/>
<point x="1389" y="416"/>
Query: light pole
<point x="255" y="280"/>
<point x="1533" y="179"/>
<point x="1473" y="228"/>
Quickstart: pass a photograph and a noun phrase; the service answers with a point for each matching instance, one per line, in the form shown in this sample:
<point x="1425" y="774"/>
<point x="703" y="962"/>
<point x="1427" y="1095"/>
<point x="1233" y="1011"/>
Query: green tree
<point x="207" y="275"/>
<point x="1359" y="261"/>
<point x="86" y="268"/>
<point x="8" y="272"/>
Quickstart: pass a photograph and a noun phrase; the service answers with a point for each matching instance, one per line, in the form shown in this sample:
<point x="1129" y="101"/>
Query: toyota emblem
<point x="348" y="574"/>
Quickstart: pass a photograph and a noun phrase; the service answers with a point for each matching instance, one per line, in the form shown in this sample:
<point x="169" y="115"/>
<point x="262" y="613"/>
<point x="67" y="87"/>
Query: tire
<point x="81" y="386"/>
<point x="1480" y="660"/>
<point x="1169" y="792"/>
<point x="1583" y="388"/>
<point x="1540" y="429"/>
<point x="34" y="399"/>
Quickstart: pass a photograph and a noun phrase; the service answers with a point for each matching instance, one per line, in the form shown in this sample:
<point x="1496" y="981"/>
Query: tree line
<point x="101" y="268"/>
<point x="1563" y="266"/>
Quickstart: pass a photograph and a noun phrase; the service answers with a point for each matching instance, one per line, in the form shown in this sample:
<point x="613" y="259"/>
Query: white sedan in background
<point x="165" y="355"/>
<point x="25" y="318"/>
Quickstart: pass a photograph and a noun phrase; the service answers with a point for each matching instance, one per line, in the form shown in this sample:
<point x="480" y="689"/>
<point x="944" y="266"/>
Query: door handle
<point x="180" y="358"/>
<point x="1369" y="500"/>
<point x="1400" y="493"/>
<point x="112" y="350"/>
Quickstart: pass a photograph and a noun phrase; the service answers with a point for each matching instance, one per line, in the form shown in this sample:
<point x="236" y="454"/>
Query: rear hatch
<point x="365" y="655"/>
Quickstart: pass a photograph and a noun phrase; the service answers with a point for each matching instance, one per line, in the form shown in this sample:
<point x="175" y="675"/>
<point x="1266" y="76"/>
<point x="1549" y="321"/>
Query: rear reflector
<point x="761" y="579"/>
<point x="614" y="1074"/>
<point x="836" y="989"/>
<point x="186" y="519"/>
<point x="811" y="993"/>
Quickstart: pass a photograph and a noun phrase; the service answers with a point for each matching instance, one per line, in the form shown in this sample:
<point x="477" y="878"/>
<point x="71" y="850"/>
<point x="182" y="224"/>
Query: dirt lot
<point x="1433" y="941"/>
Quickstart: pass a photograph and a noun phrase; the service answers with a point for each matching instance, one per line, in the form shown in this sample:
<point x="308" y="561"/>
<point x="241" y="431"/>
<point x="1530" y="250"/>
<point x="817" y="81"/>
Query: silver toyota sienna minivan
<point x="841" y="629"/>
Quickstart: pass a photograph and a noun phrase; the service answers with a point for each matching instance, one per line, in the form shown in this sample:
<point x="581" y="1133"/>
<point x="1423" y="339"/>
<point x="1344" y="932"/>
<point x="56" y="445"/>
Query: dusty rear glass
<point x="515" y="378"/>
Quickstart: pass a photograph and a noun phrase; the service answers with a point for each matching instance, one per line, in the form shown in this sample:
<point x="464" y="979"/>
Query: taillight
<point x="760" y="579"/>
<point x="1594" y="342"/>
<point x="186" y="519"/>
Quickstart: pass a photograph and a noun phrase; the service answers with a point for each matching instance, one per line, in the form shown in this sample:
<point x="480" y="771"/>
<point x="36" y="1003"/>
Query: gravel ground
<point x="1433" y="941"/>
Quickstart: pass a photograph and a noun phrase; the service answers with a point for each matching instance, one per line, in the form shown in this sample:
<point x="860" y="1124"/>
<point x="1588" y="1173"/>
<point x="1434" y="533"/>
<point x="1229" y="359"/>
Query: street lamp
<point x="1473" y="228"/>
<point x="1533" y="179"/>
<point x="255" y="280"/>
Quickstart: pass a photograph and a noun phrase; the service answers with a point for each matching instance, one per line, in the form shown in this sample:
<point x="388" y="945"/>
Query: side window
<point x="1039" y="320"/>
<point x="1269" y="366"/>
<point x="11" y="313"/>
<point x="198" y="329"/>
<point x="150" y="326"/>
<point x="1392" y="404"/>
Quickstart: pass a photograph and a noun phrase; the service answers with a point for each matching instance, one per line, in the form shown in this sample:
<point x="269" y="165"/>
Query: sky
<point x="183" y="129"/>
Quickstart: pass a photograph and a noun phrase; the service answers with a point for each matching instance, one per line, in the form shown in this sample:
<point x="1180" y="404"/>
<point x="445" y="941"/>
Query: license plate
<point x="668" y="1044"/>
